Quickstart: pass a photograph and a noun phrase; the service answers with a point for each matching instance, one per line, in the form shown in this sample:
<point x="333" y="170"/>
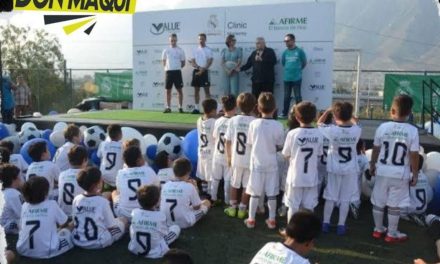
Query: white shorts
<point x="190" y="217"/>
<point x="106" y="238"/>
<point x="204" y="169"/>
<point x="221" y="172"/>
<point x="305" y="197"/>
<point x="390" y="192"/>
<point x="263" y="183"/>
<point x="341" y="188"/>
<point x="240" y="177"/>
<point x="64" y="244"/>
<point x="120" y="211"/>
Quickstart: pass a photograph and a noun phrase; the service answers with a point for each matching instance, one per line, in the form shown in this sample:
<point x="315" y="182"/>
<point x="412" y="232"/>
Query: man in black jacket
<point x="262" y="61"/>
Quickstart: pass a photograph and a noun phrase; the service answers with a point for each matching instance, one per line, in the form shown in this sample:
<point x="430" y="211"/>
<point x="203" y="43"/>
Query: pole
<point x="1" y="77"/>
<point x="358" y="76"/>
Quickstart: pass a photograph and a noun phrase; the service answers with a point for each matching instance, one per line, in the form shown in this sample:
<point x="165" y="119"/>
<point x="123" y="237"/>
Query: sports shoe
<point x="282" y="211"/>
<point x="325" y="228"/>
<point x="249" y="223"/>
<point x="429" y="219"/>
<point x="181" y="110"/>
<point x="341" y="230"/>
<point x="379" y="233"/>
<point x="242" y="214"/>
<point x="418" y="219"/>
<point x="271" y="223"/>
<point x="395" y="237"/>
<point x="282" y="116"/>
<point x="282" y="231"/>
<point x="354" y="210"/>
<point x="231" y="211"/>
<point x="167" y="110"/>
<point x="195" y="112"/>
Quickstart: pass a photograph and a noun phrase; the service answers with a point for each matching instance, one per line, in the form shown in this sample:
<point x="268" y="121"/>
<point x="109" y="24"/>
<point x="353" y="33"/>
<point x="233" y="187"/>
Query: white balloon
<point x="432" y="176"/>
<point x="433" y="161"/>
<point x="37" y="114"/>
<point x="59" y="126"/>
<point x="73" y="111"/>
<point x="149" y="140"/>
<point x="129" y="133"/>
<point x="57" y="138"/>
<point x="27" y="125"/>
<point x="15" y="140"/>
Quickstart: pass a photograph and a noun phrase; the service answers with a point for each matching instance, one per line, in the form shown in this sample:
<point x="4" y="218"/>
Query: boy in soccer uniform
<point x="95" y="225"/>
<point x="38" y="236"/>
<point x="149" y="233"/>
<point x="68" y="187"/>
<point x="42" y="166"/>
<point x="205" y="127"/>
<point x="363" y="166"/>
<point x="11" y="180"/>
<point x="73" y="137"/>
<point x="300" y="234"/>
<point x="302" y="148"/>
<point x="16" y="159"/>
<point x="129" y="180"/>
<point x="322" y="164"/>
<point x="395" y="155"/>
<point x="266" y="136"/>
<point x="179" y="198"/>
<point x="238" y="154"/>
<point x="164" y="165"/>
<point x="110" y="153"/>
<point x="342" y="166"/>
<point x="220" y="168"/>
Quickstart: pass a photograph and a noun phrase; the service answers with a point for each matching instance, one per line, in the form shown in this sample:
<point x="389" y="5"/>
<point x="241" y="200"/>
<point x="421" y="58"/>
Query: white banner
<point x="312" y="24"/>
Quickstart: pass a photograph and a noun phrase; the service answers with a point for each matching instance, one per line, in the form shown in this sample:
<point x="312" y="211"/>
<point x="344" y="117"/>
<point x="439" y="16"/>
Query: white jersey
<point x="60" y="158"/>
<point x="420" y="195"/>
<point x="147" y="232"/>
<point x="206" y="141"/>
<point x="173" y="58"/>
<point x="342" y="153"/>
<point x="165" y="175"/>
<point x="201" y="55"/>
<point x="68" y="189"/>
<point x="46" y="169"/>
<point x="110" y="153"/>
<point x="303" y="146"/>
<point x="177" y="201"/>
<point x="396" y="140"/>
<point x="128" y="182"/>
<point x="10" y="216"/>
<point x="265" y="136"/>
<point x="93" y="217"/>
<point x="237" y="133"/>
<point x="278" y="253"/>
<point x="220" y="127"/>
<point x="38" y="235"/>
<point x="18" y="161"/>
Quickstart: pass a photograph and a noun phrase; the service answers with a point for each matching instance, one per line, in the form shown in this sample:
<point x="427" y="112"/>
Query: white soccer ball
<point x="433" y="161"/>
<point x="171" y="144"/>
<point x="93" y="136"/>
<point x="28" y="134"/>
<point x="27" y="125"/>
<point x="60" y="126"/>
<point x="57" y="138"/>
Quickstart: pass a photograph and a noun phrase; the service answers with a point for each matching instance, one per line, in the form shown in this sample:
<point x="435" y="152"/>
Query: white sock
<point x="214" y="189"/>
<point x="242" y="207"/>
<point x="272" y="205"/>
<point x="393" y="219"/>
<point x="343" y="212"/>
<point x="378" y="217"/>
<point x="261" y="202"/>
<point x="253" y="204"/>
<point x="328" y="209"/>
<point x="227" y="187"/>
<point x="233" y="203"/>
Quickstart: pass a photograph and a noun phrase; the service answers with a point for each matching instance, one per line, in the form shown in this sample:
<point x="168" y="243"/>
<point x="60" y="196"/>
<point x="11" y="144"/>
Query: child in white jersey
<point x="16" y="158"/>
<point x="73" y="137"/>
<point x="110" y="153"/>
<point x="164" y="164"/>
<point x="11" y="183"/>
<point x="363" y="166"/>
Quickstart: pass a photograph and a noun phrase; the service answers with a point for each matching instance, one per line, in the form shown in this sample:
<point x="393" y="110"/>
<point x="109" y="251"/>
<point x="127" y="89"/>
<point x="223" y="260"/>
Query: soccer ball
<point x="28" y="134"/>
<point x="171" y="144"/>
<point x="93" y="136"/>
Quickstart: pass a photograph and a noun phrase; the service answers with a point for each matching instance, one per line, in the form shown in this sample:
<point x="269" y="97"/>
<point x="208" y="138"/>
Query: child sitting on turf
<point x="238" y="154"/>
<point x="302" y="148"/>
<point x="68" y="186"/>
<point x="342" y="166"/>
<point x="110" y="153"/>
<point x="149" y="233"/>
<point x="129" y="180"/>
<point x="266" y="137"/>
<point x="300" y="235"/>
<point x="73" y="137"/>
<point x="205" y="127"/>
<point x="164" y="165"/>
<point x="363" y="166"/>
<point x="220" y="168"/>
<point x="11" y="182"/>
<point x="16" y="158"/>
<point x="95" y="225"/>
<point x="179" y="198"/>
<point x="42" y="166"/>
<point x="38" y="236"/>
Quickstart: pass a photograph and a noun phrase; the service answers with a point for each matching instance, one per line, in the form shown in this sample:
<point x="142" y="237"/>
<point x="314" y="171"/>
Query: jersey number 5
<point x="133" y="184"/>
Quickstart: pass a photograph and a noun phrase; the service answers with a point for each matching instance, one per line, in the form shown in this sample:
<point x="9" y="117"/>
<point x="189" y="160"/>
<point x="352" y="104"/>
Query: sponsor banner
<point x="89" y="6"/>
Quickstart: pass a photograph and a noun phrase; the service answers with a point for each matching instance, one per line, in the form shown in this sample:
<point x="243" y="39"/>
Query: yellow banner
<point x="90" y="6"/>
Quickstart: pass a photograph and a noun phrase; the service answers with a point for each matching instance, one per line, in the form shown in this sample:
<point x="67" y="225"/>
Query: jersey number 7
<point x="35" y="225"/>
<point x="173" y="203"/>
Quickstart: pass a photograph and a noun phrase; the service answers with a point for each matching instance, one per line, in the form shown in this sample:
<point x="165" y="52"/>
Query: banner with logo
<point x="411" y="85"/>
<point x="115" y="86"/>
<point x="312" y="24"/>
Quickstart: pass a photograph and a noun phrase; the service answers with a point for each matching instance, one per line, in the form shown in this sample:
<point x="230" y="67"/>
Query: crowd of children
<point x="67" y="203"/>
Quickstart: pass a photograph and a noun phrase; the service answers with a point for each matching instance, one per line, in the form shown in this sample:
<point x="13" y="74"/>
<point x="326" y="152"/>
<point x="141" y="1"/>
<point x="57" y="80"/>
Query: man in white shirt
<point x="173" y="60"/>
<point x="201" y="60"/>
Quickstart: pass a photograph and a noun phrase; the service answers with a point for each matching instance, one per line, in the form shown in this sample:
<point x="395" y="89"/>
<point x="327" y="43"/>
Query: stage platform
<point x="160" y="124"/>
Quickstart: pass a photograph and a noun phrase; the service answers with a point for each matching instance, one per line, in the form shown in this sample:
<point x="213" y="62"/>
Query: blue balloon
<point x="189" y="146"/>
<point x="46" y="134"/>
<point x="24" y="149"/>
<point x="434" y="205"/>
<point x="151" y="152"/>
<point x="53" y="112"/>
<point x="94" y="157"/>
<point x="4" y="132"/>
